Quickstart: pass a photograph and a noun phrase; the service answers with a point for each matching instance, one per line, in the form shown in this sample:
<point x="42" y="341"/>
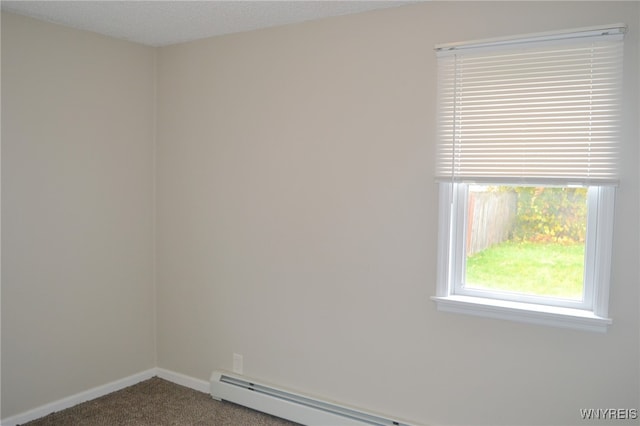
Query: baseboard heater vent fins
<point x="291" y="405"/>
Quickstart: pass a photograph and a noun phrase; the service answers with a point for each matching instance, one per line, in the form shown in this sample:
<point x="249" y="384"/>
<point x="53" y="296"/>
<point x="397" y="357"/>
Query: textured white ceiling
<point x="160" y="23"/>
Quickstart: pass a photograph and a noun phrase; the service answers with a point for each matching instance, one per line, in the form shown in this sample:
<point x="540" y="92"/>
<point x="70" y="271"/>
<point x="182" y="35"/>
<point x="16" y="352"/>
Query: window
<point x="527" y="168"/>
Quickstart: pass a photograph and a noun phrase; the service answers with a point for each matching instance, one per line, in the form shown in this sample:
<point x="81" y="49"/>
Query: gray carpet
<point x="157" y="402"/>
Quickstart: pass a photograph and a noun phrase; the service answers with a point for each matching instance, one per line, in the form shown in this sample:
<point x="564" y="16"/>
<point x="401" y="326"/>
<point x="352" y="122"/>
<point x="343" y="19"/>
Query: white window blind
<point x="536" y="110"/>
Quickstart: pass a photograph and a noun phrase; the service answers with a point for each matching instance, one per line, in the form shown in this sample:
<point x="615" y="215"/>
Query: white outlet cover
<point x="237" y="363"/>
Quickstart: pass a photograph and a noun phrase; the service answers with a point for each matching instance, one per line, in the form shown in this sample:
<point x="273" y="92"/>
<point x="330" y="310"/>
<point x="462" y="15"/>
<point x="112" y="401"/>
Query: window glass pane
<point x="526" y="240"/>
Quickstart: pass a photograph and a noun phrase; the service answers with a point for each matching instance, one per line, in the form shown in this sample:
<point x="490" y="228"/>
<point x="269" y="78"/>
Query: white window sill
<point x="523" y="312"/>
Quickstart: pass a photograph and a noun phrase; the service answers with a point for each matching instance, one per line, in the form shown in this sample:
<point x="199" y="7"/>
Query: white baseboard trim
<point x="97" y="392"/>
<point x="78" y="398"/>
<point x="181" y="379"/>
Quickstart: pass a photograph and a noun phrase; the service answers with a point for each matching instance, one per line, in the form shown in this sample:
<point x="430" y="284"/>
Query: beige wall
<point x="297" y="223"/>
<point x="77" y="205"/>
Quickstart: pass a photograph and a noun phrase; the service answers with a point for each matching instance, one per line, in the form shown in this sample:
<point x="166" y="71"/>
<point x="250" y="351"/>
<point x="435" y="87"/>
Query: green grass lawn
<point x="531" y="268"/>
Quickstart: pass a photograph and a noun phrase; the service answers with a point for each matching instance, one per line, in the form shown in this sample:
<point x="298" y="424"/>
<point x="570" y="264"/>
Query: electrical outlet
<point x="237" y="363"/>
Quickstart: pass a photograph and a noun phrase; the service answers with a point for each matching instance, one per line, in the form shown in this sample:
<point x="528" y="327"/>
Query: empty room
<point x="413" y="213"/>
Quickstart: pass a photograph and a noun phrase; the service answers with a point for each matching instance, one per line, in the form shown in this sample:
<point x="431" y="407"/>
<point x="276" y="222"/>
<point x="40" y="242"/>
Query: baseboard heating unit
<point x="290" y="405"/>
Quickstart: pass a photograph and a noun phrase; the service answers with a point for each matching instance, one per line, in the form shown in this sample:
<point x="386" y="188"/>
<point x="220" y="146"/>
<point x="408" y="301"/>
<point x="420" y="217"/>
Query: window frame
<point x="460" y="232"/>
<point x="555" y="99"/>
<point x="591" y="315"/>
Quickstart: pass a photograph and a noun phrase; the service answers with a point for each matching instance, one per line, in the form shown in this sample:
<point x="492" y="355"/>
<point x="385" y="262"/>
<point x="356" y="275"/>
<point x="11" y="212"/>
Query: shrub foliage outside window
<point x="551" y="215"/>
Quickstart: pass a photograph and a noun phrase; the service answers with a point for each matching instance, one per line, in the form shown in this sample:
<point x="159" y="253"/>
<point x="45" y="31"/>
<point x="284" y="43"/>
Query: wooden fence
<point x="491" y="216"/>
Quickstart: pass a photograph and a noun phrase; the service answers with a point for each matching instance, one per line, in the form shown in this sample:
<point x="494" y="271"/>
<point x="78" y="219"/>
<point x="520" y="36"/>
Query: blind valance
<point x="534" y="110"/>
